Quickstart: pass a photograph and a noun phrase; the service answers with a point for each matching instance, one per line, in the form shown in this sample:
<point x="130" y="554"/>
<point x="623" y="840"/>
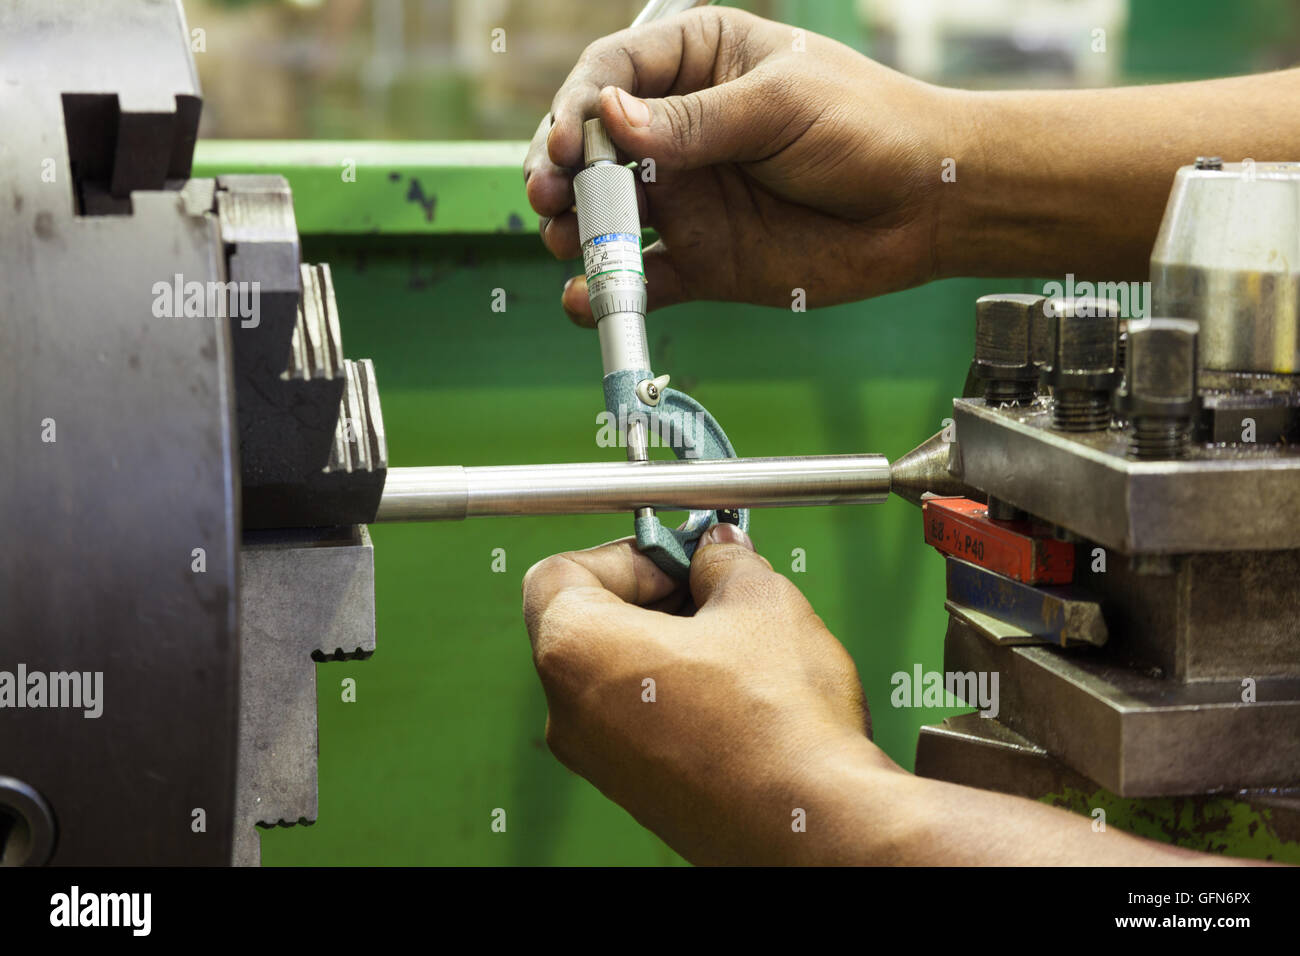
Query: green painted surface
<point x="365" y="188"/>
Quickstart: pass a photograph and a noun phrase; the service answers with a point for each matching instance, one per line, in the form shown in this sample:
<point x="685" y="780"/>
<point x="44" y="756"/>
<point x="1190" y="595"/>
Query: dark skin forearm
<point x="864" y="809"/>
<point x="1051" y="182"/>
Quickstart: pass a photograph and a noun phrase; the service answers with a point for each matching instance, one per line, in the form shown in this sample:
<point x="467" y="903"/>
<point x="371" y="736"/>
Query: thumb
<point x="743" y="120"/>
<point x="724" y="559"/>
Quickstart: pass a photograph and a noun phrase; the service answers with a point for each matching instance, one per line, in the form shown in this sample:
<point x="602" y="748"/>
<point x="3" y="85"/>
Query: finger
<point x="663" y="280"/>
<point x="615" y="578"/>
<point x="664" y="287"/>
<point x="560" y="235"/>
<point x="624" y="571"/>
<point x="745" y="120"/>
<point x="576" y="304"/>
<point x="548" y="187"/>
<point x="674" y="603"/>
<point x="537" y="147"/>
<point x="726" y="566"/>
<point x="679" y="51"/>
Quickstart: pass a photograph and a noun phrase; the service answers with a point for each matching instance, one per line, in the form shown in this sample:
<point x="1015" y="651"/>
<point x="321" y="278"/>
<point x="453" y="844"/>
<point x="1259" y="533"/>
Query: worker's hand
<point x="706" y="728"/>
<point x="740" y="734"/>
<point x="782" y="160"/>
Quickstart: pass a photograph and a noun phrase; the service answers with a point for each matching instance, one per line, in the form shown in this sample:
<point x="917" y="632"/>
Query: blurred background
<point x="425" y="69"/>
<point x="448" y="722"/>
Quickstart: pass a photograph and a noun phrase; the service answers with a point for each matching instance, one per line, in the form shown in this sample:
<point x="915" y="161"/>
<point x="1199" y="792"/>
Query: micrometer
<point x="641" y="403"/>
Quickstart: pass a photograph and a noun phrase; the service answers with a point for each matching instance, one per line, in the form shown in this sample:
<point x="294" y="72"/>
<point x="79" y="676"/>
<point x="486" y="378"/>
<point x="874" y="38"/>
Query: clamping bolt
<point x="1004" y="346"/>
<point x="1161" y="387"/>
<point x="1081" y="366"/>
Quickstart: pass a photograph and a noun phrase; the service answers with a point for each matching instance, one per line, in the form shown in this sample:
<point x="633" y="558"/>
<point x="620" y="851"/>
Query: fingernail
<point x="724" y="533"/>
<point x="635" y="110"/>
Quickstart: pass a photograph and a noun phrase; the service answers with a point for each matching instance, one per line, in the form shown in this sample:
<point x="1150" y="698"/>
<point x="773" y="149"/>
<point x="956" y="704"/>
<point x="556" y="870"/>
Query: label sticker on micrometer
<point x="609" y="261"/>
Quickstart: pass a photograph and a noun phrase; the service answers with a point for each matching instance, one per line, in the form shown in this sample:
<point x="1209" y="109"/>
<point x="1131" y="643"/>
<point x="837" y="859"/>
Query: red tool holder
<point x="1023" y="550"/>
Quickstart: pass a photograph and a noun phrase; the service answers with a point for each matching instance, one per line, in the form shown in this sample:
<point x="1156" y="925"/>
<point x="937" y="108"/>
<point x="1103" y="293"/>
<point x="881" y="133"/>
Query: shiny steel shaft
<point x="453" y="492"/>
<point x="658" y="9"/>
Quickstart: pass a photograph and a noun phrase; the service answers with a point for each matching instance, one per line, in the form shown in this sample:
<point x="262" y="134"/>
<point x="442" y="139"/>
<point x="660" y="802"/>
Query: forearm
<point x="1053" y="182"/>
<point x="864" y="809"/>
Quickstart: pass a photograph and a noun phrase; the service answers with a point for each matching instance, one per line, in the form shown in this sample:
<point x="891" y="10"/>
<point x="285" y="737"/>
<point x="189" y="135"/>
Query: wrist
<point x="1027" y="200"/>
<point x="973" y="219"/>
<point x="830" y="788"/>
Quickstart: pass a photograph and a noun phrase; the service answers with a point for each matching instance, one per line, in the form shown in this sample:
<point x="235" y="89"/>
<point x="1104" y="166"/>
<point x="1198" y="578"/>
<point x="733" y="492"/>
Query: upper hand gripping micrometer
<point x="644" y="407"/>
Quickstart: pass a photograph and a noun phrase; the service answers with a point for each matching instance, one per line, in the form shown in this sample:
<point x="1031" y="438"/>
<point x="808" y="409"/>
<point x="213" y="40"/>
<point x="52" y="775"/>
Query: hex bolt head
<point x="1004" y="346"/>
<point x="1162" y="363"/>
<point x="1083" y="337"/>
<point x="1161" y="386"/>
<point x="1004" y="331"/>
<point x="1081" y="364"/>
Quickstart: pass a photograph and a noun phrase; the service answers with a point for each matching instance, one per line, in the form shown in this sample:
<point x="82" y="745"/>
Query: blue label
<point x="615" y="236"/>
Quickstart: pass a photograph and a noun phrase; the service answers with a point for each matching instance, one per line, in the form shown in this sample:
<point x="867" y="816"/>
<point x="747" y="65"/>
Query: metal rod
<point x="453" y="492"/>
<point x="659" y="9"/>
